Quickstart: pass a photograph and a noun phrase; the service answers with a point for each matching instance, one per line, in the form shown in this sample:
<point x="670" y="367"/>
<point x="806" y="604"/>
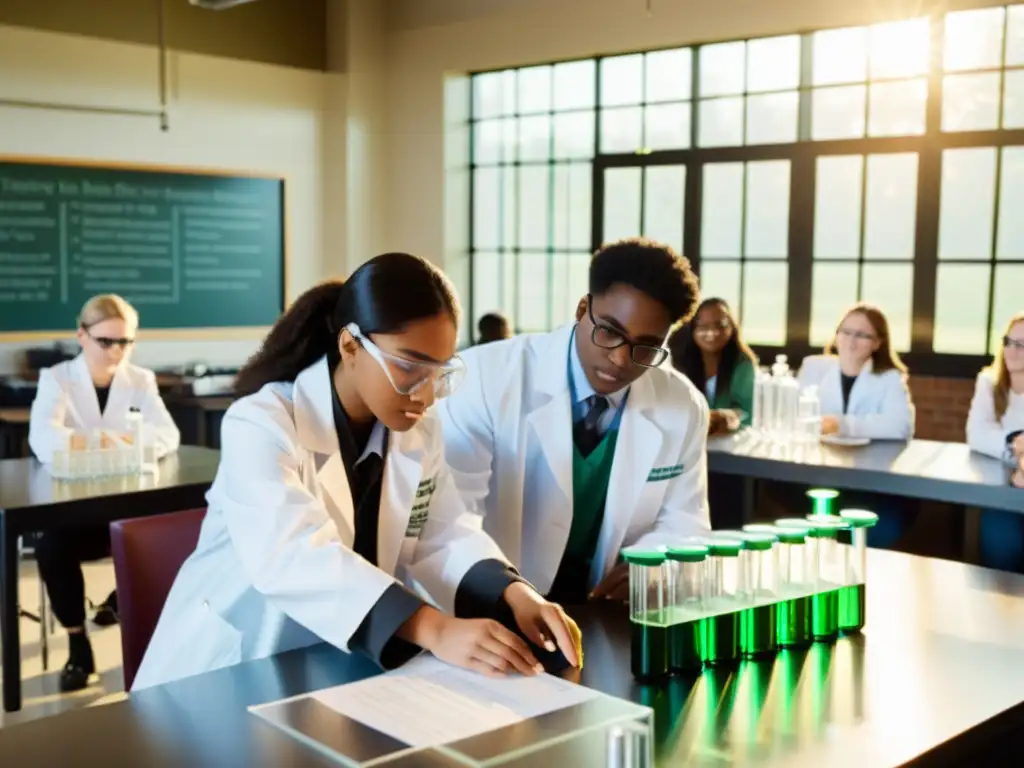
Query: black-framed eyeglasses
<point x="607" y="337"/>
<point x="106" y="342"/>
<point x="1009" y="343"/>
<point x="858" y="335"/>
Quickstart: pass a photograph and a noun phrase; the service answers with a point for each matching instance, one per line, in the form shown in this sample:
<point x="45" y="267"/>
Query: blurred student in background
<point x="995" y="427"/>
<point x="711" y="353"/>
<point x="493" y="326"/>
<point x="96" y="390"/>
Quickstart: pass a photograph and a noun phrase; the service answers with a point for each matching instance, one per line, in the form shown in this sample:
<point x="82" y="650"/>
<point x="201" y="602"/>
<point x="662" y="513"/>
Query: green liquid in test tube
<point x="853" y="596"/>
<point x="648" y="606"/>
<point x="823" y="499"/>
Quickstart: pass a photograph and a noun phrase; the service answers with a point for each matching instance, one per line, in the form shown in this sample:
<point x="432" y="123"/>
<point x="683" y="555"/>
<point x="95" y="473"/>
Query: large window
<point x="799" y="173"/>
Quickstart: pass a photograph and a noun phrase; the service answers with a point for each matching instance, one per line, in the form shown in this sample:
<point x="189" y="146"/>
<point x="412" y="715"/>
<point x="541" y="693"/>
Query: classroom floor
<point x="41" y="696"/>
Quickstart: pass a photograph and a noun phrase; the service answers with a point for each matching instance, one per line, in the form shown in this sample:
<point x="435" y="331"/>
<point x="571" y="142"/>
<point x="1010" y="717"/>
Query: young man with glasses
<point x="576" y="443"/>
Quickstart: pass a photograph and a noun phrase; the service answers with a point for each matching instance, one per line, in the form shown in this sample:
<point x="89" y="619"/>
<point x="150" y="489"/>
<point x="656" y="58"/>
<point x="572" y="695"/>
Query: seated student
<point x="710" y="352"/>
<point x="573" y="444"/>
<point x="493" y="326"/>
<point x="861" y="380"/>
<point x="995" y="427"/>
<point x="333" y="513"/>
<point x="95" y="390"/>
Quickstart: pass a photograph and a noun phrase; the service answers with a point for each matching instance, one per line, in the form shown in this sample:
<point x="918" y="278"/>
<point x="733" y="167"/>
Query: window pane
<point x="890" y="286"/>
<point x="569" y="284"/>
<point x="899" y="48"/>
<point x="571" y="208"/>
<point x="509" y="196"/>
<point x="494" y="94"/>
<point x="1015" y="35"/>
<point x="622" y="80"/>
<point x="487" y="274"/>
<point x="622" y="129"/>
<point x="773" y="63"/>
<point x="721" y="279"/>
<point x="534" y="206"/>
<point x="767" y="220"/>
<point x="1013" y="99"/>
<point x="833" y="289"/>
<point x="721" y="210"/>
<point x="974" y="39"/>
<point x="837" y="202"/>
<point x="574" y="84"/>
<point x="840" y="56"/>
<point x="897" y="109"/>
<point x="669" y="75"/>
<point x="970" y="102"/>
<point x="488" y="207"/>
<point x="664" y="192"/>
<point x="961" y="308"/>
<point x="534" y="89"/>
<point x="772" y="118"/>
<point x="721" y="122"/>
<point x="890" y="206"/>
<point x="1010" y="243"/>
<point x="838" y="113"/>
<point x="574" y="135"/>
<point x="763" y="311"/>
<point x="1006" y="300"/>
<point x="535" y="137"/>
<point x="494" y="141"/>
<point x="621" y="203"/>
<point x="967" y="203"/>
<point x="668" y="127"/>
<point x="722" y="69"/>
<point x="534" y="294"/>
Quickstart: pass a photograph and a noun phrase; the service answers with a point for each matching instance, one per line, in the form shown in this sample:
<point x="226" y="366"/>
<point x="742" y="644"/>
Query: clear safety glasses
<point x="407" y="376"/>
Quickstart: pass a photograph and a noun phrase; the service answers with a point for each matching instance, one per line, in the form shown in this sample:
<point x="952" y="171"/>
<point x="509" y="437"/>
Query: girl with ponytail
<point x="333" y="510"/>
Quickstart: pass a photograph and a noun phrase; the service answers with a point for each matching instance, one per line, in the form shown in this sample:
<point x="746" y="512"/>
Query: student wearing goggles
<point x="333" y="511"/>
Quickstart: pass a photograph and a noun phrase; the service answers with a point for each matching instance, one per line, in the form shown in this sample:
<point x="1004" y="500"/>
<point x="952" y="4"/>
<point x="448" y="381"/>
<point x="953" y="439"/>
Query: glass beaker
<point x="853" y="595"/>
<point x="720" y="631"/>
<point x="648" y="612"/>
<point x="687" y="567"/>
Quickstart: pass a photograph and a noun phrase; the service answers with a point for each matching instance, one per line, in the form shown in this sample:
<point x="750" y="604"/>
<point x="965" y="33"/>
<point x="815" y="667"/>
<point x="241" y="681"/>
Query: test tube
<point x="720" y="631"/>
<point x="793" y="609"/>
<point x="687" y="567"/>
<point x="648" y="604"/>
<point x="823" y="499"/>
<point x="831" y="572"/>
<point x="757" y="622"/>
<point x="853" y="595"/>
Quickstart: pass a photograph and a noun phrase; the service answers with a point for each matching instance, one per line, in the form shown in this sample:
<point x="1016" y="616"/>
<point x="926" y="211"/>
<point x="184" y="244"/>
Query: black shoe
<point x="106" y="612"/>
<point x="81" y="664"/>
<point x="74" y="678"/>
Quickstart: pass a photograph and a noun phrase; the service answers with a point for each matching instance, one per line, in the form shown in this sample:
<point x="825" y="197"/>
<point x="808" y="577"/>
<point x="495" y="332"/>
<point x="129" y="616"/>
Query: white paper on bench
<point x="427" y="703"/>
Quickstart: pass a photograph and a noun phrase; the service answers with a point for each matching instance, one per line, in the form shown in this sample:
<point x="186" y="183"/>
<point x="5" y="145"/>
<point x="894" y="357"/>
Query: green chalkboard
<point x="190" y="250"/>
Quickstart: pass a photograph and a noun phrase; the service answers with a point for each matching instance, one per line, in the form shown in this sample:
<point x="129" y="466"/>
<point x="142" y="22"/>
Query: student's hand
<point x="829" y="425"/>
<point x="718" y="422"/>
<point x="482" y="645"/>
<point x="614" y="586"/>
<point x="545" y="623"/>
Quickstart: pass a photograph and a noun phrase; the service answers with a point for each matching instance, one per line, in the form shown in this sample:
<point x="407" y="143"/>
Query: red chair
<point x="148" y="553"/>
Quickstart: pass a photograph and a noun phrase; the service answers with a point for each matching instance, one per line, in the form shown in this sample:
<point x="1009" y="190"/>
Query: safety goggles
<point x="407" y="376"/>
<point x="106" y="342"/>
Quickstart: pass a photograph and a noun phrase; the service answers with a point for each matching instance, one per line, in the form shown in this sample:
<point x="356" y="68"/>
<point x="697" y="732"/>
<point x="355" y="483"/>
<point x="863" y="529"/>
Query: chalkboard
<point x="190" y="250"/>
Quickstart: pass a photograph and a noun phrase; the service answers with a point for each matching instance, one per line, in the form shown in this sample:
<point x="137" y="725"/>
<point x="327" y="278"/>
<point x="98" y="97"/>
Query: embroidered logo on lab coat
<point x="665" y="473"/>
<point x="421" y="507"/>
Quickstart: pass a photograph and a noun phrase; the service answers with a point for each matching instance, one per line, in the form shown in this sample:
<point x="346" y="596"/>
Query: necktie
<point x="585" y="433"/>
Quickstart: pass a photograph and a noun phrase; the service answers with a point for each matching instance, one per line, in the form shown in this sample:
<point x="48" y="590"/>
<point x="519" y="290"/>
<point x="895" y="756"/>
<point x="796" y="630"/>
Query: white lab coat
<point x="508" y="438"/>
<point x="66" y="397"/>
<point x="985" y="433"/>
<point x="880" y="407"/>
<point x="274" y="567"/>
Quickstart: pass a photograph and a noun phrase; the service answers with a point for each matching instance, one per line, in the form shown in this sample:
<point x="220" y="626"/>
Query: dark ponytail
<point x="383" y="296"/>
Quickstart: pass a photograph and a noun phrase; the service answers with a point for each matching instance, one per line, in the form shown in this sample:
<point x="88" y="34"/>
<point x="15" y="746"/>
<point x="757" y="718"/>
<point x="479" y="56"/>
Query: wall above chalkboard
<point x="196" y="252"/>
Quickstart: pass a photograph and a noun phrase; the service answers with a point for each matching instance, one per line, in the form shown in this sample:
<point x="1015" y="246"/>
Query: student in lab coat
<point x="333" y="514"/>
<point x="574" y="444"/>
<point x="711" y="353"/>
<point x="861" y="380"/>
<point x="995" y="427"/>
<point x="95" y="390"/>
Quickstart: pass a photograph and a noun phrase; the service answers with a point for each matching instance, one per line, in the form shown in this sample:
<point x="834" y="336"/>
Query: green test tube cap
<point x="723" y="547"/>
<point x="647" y="557"/>
<point x="823" y="498"/>
<point x="687" y="553"/>
<point x="858" y="518"/>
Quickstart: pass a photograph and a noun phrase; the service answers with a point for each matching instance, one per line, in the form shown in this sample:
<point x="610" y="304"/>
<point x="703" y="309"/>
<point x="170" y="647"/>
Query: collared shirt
<point x="580" y="389"/>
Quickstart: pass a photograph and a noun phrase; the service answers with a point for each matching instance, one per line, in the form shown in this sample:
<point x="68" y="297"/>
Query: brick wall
<point x="942" y="406"/>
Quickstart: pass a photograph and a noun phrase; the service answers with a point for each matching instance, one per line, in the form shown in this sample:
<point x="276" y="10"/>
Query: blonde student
<point x="95" y="390"/>
<point x="333" y="516"/>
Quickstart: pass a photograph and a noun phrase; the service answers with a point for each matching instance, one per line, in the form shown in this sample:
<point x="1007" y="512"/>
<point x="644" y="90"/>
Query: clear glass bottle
<point x="648" y="612"/>
<point x="853" y="595"/>
<point x="720" y="631"/>
<point x="688" y="586"/>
